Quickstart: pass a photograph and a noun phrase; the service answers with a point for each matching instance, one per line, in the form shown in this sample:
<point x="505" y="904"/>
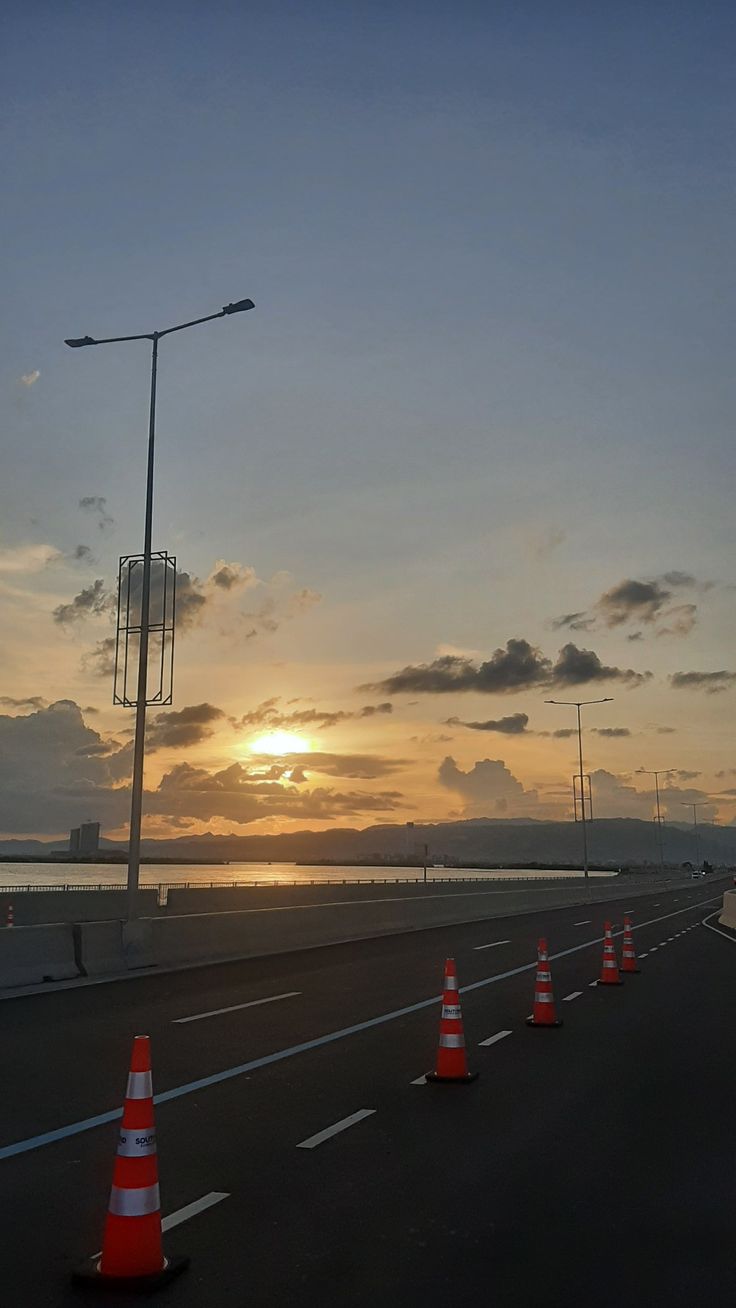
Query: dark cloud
<point x="681" y="619"/>
<point x="82" y="554"/>
<point x="711" y="682"/>
<point x="631" y="600"/>
<point x="31" y="702"/>
<point x="578" y="667"/>
<point x="575" y="621"/>
<point x="91" y="601"/>
<point x="100" y="661"/>
<point x="683" y="775"/>
<point x="181" y="728"/>
<point x="350" y="766"/>
<point x="232" y="576"/>
<point x="514" y="725"/>
<point x="612" y="732"/>
<point x="666" y="731"/>
<point x="97" y="504"/>
<point x="268" y="714"/>
<point x="520" y="666"/>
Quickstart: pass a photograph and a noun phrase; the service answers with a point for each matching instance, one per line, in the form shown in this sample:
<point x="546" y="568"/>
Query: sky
<point x="471" y="451"/>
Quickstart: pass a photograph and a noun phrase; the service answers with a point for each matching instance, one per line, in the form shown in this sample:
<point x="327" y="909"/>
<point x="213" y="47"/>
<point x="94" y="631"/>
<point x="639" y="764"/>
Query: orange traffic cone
<point x="132" y="1257"/>
<point x="543" y="1013"/>
<point x="10" y="920"/>
<point x="628" y="953"/>
<point x="452" y="1064"/>
<point x="609" y="970"/>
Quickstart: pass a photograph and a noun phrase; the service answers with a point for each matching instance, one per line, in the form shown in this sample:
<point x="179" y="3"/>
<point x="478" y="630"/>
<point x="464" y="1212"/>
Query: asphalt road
<point x="591" y="1165"/>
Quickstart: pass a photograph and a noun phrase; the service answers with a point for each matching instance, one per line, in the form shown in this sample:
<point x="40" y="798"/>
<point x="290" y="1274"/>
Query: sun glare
<point x="280" y="742"/>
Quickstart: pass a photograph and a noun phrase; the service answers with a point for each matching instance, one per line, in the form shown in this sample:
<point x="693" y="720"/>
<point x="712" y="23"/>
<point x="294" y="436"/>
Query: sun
<point x="280" y="742"/>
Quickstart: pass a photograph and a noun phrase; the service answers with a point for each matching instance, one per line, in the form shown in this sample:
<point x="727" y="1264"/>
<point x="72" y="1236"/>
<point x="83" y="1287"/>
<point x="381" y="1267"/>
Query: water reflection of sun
<point x="280" y="743"/>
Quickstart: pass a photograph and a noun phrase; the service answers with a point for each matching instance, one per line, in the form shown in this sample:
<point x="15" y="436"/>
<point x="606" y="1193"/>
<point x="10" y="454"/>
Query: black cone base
<point x="557" y="1022"/>
<point x="89" y="1277"/>
<point x="450" y="1080"/>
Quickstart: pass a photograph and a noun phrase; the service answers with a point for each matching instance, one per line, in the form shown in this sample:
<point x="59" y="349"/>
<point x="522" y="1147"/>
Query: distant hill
<point x="612" y="841"/>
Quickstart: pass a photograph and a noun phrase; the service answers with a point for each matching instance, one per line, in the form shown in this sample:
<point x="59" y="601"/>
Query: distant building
<point x="74" y="840"/>
<point x="89" y="838"/>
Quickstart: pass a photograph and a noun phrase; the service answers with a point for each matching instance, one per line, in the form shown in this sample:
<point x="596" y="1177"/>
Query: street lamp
<point x="136" y="804"/>
<point x="657" y="773"/>
<point x="699" y="803"/>
<point x="579" y="704"/>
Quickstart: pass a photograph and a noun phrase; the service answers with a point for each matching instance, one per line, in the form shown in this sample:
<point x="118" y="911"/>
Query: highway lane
<point x="485" y="1189"/>
<point x="81" y="1035"/>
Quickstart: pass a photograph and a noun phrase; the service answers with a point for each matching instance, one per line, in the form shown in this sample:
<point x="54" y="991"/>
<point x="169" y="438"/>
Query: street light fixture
<point x="579" y="704"/>
<point x="657" y="773"/>
<point x="136" y="804"/>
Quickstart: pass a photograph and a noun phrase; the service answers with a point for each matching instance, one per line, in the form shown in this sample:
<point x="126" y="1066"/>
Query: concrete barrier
<point x="99" y="948"/>
<point x="32" y="907"/>
<point x="728" y="912"/>
<point x="31" y="955"/>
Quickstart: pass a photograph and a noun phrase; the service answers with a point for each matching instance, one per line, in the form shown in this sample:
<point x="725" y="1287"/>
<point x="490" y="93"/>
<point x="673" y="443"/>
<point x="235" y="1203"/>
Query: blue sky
<point x="487" y="379"/>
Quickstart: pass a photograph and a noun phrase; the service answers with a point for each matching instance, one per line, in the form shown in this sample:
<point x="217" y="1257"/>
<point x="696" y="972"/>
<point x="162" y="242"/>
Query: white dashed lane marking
<point x="336" y="1128"/>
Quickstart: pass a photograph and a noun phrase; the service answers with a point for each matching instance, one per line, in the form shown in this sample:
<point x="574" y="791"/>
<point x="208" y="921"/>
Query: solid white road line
<point x="587" y="921"/>
<point x="329" y="1131"/>
<point x="493" y="944"/>
<point x="319" y="1042"/>
<point x="191" y="1210"/>
<point x="233" y="1008"/>
<point x="500" y="1035"/>
<point x="575" y="995"/>
<point x="707" y="923"/>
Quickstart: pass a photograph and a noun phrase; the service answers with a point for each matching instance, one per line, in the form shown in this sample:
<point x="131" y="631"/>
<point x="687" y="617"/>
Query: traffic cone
<point x="543" y="1013"/>
<point x="10" y="919"/>
<point x="628" y="953"/>
<point x="452" y="1064"/>
<point x="132" y="1256"/>
<point x="609" y="969"/>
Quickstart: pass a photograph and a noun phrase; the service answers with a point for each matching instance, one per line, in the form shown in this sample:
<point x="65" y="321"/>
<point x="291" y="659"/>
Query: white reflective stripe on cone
<point x="451" y="1012"/>
<point x="139" y="1202"/>
<point x="543" y="999"/>
<point x="609" y="963"/>
<point x="452" y="1041"/>
<point x="450" y="983"/>
<point x="136" y="1144"/>
<point x="139" y="1085"/>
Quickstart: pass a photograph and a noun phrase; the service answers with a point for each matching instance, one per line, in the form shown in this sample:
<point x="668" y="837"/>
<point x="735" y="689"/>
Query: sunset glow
<point x="280" y="743"/>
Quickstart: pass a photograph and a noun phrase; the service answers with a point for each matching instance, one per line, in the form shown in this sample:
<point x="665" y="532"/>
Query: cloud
<point x="352" y="766"/>
<point x="97" y="504"/>
<point x="514" y="725"/>
<point x="575" y="621"/>
<point x="631" y="600"/>
<point x="666" y="731"/>
<point x="520" y="666"/>
<point x="180" y="728"/>
<point x="30" y="378"/>
<point x="684" y="775"/>
<point x="682" y="619"/>
<point x="576" y="667"/>
<point x="31" y="701"/>
<point x="55" y="771"/>
<point x="711" y="682"/>
<point x="612" y="732"/>
<point x="487" y="789"/>
<point x="92" y="600"/>
<point x="268" y="714"/>
<point x="28" y="558"/>
<point x="82" y="554"/>
<point x="100" y="661"/>
<point x="232" y="576"/>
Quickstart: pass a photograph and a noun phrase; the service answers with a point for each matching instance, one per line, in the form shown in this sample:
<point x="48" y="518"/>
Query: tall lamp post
<point x="657" y="773"/>
<point x="699" y="803"/>
<point x="580" y="704"/>
<point x="136" y="803"/>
